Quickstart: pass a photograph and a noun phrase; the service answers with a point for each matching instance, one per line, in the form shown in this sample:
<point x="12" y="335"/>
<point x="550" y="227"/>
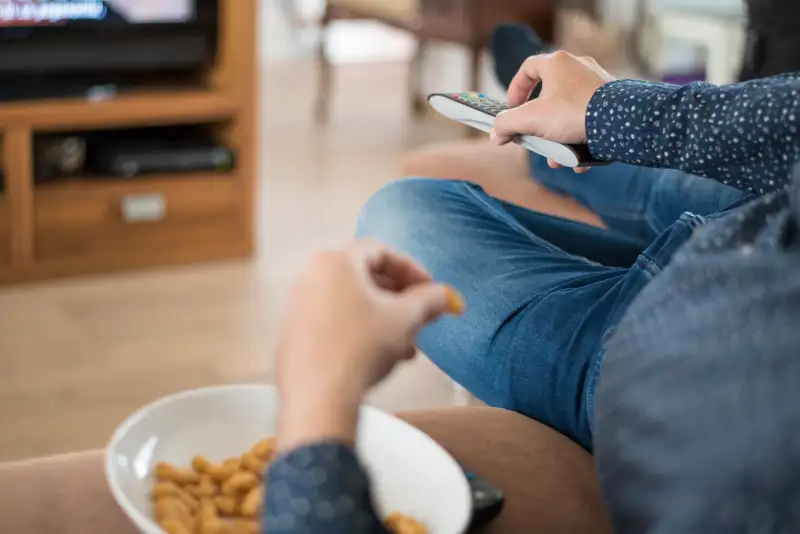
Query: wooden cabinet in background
<point x="100" y="224"/>
<point x="128" y="221"/>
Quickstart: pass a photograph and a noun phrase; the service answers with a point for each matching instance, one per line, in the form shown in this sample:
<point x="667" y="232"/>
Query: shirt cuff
<point x="320" y="488"/>
<point x="623" y="118"/>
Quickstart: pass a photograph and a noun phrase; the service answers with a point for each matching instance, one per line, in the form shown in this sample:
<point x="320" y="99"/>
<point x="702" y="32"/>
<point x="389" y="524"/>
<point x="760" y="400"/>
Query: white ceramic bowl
<point x="410" y="472"/>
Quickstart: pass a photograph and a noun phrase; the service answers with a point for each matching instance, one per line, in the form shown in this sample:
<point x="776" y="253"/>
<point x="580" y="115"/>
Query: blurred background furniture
<point x="717" y="28"/>
<point x="465" y="22"/>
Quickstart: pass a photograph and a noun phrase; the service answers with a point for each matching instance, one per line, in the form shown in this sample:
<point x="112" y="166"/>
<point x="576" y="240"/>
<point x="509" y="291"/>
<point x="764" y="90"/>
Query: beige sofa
<point x="549" y="482"/>
<point x="502" y="171"/>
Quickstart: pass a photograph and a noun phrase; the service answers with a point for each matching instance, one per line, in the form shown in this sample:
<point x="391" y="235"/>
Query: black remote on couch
<point x="487" y="499"/>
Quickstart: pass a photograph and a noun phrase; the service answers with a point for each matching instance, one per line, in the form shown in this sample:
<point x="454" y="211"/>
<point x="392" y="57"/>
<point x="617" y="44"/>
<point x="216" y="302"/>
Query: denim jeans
<point x="542" y="292"/>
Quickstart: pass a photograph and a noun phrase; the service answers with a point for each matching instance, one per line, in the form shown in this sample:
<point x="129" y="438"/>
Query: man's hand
<point x="559" y="113"/>
<point x="353" y="316"/>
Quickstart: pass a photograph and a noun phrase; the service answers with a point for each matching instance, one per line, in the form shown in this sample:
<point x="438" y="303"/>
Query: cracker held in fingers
<point x="455" y="302"/>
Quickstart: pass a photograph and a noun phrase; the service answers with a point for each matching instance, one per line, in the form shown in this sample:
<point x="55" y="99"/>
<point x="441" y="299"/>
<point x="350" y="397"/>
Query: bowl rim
<point x="146" y="523"/>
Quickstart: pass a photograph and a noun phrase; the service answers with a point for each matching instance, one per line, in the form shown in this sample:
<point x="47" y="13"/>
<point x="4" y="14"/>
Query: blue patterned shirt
<point x="697" y="418"/>
<point x="697" y="421"/>
<point x="320" y="489"/>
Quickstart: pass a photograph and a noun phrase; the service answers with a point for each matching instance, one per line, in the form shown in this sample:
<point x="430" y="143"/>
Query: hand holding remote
<point x="559" y="114"/>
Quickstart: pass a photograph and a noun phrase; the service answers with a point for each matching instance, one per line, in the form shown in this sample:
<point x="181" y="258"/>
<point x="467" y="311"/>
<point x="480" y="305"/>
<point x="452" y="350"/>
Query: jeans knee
<point x="401" y="209"/>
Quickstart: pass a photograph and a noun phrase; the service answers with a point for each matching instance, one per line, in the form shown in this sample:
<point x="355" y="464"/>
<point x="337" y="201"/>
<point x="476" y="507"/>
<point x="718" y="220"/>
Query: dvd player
<point x="129" y="159"/>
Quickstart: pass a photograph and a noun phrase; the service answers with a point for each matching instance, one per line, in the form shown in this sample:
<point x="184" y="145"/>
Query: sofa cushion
<point x="59" y="495"/>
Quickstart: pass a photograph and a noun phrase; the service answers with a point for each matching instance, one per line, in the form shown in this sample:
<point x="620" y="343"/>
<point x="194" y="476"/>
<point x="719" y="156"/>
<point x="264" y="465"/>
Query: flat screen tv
<point x="74" y="37"/>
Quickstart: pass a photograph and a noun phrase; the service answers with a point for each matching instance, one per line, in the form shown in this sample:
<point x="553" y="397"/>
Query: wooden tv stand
<point x="78" y="225"/>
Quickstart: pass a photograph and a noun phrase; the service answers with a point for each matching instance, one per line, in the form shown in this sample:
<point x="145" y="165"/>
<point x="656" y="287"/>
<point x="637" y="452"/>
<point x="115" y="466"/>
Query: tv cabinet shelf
<point x="99" y="224"/>
<point x="127" y="110"/>
<point x="89" y="185"/>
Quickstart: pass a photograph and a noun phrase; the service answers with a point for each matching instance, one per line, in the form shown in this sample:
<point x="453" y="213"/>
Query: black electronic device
<point x="487" y="499"/>
<point x="91" y="42"/>
<point x="132" y="158"/>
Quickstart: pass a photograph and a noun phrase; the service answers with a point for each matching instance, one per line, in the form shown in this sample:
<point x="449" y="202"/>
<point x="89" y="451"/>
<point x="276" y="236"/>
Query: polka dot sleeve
<point x="319" y="489"/>
<point x="743" y="135"/>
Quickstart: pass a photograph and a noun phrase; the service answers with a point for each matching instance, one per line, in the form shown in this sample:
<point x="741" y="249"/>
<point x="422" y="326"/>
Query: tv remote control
<point x="487" y="499"/>
<point x="478" y="111"/>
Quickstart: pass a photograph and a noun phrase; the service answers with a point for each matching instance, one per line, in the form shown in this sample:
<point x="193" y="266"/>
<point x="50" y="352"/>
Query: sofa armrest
<point x="59" y="495"/>
<point x="549" y="482"/>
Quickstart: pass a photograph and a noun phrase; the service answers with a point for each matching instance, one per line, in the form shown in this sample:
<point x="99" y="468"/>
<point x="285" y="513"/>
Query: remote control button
<point x="479" y="495"/>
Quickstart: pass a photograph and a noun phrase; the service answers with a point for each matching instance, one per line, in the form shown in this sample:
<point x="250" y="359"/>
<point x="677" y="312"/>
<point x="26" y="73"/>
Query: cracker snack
<point x="226" y="498"/>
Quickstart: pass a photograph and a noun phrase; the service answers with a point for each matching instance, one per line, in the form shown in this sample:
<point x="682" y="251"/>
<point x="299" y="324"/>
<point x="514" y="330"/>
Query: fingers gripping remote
<point x="478" y="111"/>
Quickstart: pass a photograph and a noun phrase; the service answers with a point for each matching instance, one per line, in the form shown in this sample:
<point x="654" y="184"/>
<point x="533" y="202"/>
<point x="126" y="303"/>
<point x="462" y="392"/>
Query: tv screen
<point x="65" y="37"/>
<point x="26" y="13"/>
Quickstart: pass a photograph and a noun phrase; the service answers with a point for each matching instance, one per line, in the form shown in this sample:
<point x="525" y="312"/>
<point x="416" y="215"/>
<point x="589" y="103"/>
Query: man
<point x="680" y="371"/>
<point x="542" y="309"/>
